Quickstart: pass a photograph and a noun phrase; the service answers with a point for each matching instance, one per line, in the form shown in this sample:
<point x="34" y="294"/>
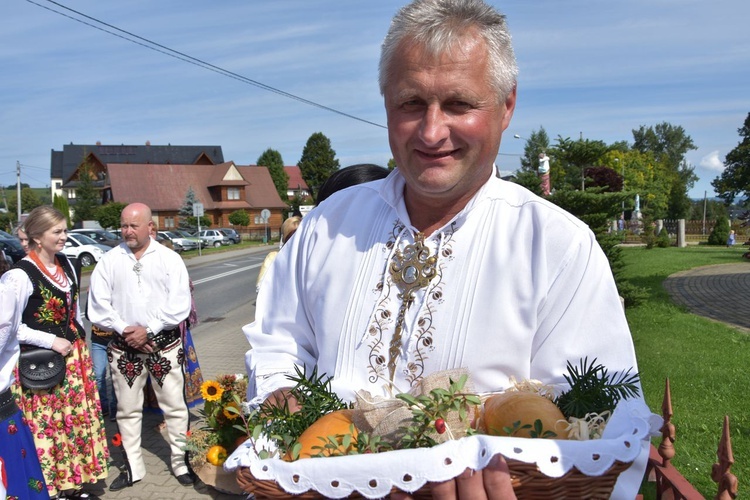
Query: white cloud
<point x="712" y="162"/>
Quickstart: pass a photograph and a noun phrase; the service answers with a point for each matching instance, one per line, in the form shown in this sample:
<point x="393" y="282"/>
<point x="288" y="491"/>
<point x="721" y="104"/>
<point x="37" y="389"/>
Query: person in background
<point x="288" y="227"/>
<point x="100" y="339"/>
<point x="20" y="473"/>
<point x="350" y="176"/>
<point x="141" y="291"/>
<point x="65" y="420"/>
<point x="4" y="265"/>
<point x="23" y="238"/>
<point x="441" y="265"/>
<point x="731" y="238"/>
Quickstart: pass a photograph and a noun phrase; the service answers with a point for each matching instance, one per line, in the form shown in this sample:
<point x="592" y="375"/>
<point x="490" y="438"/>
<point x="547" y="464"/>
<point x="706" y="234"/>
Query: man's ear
<point x="509" y="107"/>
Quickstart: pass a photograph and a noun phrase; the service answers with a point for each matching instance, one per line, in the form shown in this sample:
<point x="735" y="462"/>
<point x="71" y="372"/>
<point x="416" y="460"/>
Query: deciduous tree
<point x="734" y="181"/>
<point x="108" y="216"/>
<point x="29" y="200"/>
<point x="669" y="144"/>
<point x="272" y="160"/>
<point x="239" y="218"/>
<point x="318" y="161"/>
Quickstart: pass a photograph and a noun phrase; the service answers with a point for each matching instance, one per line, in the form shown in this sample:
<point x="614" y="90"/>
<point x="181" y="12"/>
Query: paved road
<point x="719" y="292"/>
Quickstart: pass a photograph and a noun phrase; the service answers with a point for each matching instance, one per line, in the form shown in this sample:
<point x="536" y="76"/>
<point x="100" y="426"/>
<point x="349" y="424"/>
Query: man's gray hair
<point x="439" y="25"/>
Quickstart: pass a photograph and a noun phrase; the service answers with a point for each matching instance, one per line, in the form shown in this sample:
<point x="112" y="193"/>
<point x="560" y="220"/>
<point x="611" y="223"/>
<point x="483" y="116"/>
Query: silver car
<point x="214" y="237"/>
<point x="179" y="242"/>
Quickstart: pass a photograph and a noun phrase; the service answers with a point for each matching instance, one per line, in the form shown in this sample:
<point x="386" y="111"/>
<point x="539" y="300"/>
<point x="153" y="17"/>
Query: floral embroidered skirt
<point x="67" y="426"/>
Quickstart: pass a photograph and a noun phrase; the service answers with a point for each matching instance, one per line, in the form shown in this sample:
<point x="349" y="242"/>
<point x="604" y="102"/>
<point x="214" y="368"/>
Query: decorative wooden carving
<point x="666" y="448"/>
<point x="670" y="484"/>
<point x="721" y="471"/>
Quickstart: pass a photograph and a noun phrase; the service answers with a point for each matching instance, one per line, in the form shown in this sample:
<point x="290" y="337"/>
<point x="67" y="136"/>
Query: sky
<point x="588" y="68"/>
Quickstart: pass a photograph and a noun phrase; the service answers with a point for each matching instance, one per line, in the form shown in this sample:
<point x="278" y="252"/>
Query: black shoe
<point x="185" y="479"/>
<point x="123" y="481"/>
<point x="80" y="494"/>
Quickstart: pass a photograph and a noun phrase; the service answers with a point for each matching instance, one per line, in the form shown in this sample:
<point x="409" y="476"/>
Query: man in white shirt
<point x="442" y="264"/>
<point x="141" y="291"/>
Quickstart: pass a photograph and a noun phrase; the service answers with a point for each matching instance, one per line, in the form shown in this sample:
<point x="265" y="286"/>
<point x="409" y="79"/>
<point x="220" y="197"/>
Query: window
<point x="233" y="193"/>
<point x="169" y="222"/>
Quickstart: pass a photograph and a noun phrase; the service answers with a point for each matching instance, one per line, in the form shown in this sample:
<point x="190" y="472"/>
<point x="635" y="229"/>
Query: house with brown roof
<point x="296" y="185"/>
<point x="65" y="164"/>
<point x="222" y="189"/>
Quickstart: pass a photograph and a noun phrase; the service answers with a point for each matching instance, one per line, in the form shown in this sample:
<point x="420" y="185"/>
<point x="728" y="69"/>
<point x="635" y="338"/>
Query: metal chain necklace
<point x="411" y="269"/>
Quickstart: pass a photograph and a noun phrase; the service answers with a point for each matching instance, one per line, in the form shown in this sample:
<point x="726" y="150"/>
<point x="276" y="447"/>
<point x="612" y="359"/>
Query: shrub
<point x="663" y="240"/>
<point x="720" y="232"/>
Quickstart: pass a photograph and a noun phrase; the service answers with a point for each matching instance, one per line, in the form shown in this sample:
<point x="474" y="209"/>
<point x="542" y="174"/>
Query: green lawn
<point x="706" y="362"/>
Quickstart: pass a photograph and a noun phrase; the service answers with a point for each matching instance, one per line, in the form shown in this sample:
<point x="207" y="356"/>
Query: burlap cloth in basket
<point x="540" y="464"/>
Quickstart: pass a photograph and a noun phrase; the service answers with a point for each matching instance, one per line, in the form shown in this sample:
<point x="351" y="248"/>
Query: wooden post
<point x="721" y="471"/>
<point x="666" y="447"/>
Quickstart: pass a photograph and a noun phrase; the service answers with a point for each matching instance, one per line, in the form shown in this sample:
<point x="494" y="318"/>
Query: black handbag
<point x="40" y="368"/>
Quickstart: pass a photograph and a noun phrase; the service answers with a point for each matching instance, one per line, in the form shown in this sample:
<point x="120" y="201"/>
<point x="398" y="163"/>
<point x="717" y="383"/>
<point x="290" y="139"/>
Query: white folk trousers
<point x="129" y="374"/>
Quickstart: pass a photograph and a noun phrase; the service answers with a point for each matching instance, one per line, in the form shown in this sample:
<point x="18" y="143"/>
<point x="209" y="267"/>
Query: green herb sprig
<point x="594" y="390"/>
<point x="535" y="431"/>
<point x="283" y="427"/>
<point x="427" y="409"/>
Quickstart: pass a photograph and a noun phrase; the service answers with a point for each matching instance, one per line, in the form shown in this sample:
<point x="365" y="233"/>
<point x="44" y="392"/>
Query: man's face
<point x="444" y="120"/>
<point x="136" y="229"/>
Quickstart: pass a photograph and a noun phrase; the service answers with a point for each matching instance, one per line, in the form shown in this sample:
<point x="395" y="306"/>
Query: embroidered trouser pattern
<point x="129" y="374"/>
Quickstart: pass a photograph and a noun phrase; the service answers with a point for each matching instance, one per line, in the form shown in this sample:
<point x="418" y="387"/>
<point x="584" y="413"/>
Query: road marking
<point x="228" y="273"/>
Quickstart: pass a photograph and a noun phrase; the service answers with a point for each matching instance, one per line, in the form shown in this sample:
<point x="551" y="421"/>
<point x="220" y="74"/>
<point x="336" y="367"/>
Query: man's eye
<point x="412" y="104"/>
<point x="459" y="105"/>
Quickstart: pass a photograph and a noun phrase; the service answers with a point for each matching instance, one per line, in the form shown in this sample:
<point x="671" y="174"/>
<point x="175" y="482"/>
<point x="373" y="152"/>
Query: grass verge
<point x="706" y="363"/>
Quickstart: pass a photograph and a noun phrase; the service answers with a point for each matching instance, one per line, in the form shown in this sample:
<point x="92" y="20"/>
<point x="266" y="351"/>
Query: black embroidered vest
<point x="50" y="309"/>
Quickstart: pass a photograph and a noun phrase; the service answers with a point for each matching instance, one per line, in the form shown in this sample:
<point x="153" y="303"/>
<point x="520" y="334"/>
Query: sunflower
<point x="231" y="414"/>
<point x="211" y="390"/>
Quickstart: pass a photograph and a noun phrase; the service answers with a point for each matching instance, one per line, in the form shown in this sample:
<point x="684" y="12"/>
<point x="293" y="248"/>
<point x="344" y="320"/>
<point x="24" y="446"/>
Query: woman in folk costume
<point x="65" y="420"/>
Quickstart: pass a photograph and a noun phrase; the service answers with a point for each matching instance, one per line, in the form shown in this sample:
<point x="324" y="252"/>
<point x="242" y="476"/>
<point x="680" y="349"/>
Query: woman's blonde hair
<point x="289" y="227"/>
<point x="39" y="221"/>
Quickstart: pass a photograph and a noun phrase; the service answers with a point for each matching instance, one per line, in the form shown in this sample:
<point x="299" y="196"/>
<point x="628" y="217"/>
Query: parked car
<point x="214" y="237"/>
<point x="234" y="236"/>
<point x="83" y="248"/>
<point x="5" y="234"/>
<point x="101" y="236"/>
<point x="179" y="242"/>
<point x="12" y="248"/>
<point x="191" y="236"/>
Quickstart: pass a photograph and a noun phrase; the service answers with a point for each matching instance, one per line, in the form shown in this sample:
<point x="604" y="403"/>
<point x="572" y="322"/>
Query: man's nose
<point x="434" y="127"/>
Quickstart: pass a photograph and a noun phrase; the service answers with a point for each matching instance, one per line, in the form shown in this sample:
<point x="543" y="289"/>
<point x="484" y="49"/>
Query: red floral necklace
<point x="59" y="277"/>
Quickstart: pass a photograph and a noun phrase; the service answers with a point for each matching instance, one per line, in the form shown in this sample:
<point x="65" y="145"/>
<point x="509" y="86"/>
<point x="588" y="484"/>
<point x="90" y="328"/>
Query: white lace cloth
<point x="374" y="475"/>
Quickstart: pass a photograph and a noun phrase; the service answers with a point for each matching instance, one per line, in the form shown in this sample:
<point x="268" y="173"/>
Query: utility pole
<point x="18" y="190"/>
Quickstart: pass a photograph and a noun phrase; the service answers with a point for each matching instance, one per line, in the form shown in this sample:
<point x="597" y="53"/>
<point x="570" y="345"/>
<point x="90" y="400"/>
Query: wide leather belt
<point x="162" y="339"/>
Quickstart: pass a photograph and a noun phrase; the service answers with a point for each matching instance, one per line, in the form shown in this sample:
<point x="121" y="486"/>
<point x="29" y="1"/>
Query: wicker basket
<point x="218" y="479"/>
<point x="528" y="483"/>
